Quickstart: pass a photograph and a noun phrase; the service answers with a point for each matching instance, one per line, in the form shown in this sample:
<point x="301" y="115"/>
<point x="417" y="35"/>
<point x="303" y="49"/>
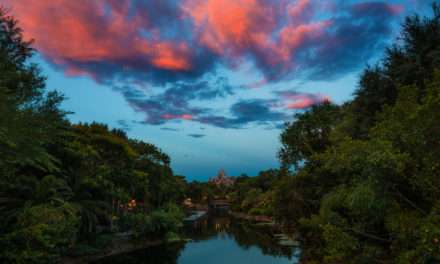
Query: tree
<point x="29" y="118"/>
<point x="369" y="192"/>
<point x="308" y="134"/>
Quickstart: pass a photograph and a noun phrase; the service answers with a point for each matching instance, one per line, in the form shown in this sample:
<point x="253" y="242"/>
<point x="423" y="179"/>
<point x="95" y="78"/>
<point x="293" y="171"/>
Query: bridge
<point x="219" y="205"/>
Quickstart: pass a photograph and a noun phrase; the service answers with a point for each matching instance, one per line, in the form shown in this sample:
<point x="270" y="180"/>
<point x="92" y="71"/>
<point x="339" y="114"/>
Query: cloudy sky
<point x="211" y="82"/>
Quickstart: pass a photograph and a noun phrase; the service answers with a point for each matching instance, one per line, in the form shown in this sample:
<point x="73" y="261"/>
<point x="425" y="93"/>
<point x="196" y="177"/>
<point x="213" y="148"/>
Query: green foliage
<point x="339" y="244"/>
<point x="160" y="223"/>
<point x="91" y="247"/>
<point x="255" y="195"/>
<point x="366" y="185"/>
<point x="29" y="116"/>
<point x="42" y="233"/>
<point x="309" y="134"/>
<point x="294" y="198"/>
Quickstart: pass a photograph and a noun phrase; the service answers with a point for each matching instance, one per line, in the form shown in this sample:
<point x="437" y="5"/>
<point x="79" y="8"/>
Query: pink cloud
<point x="164" y="40"/>
<point x="298" y="8"/>
<point x="84" y="32"/>
<point x="235" y="28"/>
<point x="297" y="100"/>
<point x="231" y="26"/>
<point x="174" y="116"/>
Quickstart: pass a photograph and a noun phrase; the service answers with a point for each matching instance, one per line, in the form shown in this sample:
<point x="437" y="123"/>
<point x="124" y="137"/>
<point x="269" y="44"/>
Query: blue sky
<point x="209" y="82"/>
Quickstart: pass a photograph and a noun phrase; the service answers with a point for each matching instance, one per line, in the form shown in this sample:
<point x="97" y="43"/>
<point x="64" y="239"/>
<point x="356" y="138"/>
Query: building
<point x="222" y="180"/>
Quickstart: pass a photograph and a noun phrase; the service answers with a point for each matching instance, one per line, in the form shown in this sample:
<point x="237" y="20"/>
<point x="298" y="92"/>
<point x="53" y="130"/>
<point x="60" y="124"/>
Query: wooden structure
<point x="219" y="205"/>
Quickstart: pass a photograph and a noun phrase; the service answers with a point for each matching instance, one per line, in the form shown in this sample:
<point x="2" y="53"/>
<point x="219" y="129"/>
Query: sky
<point x="210" y="82"/>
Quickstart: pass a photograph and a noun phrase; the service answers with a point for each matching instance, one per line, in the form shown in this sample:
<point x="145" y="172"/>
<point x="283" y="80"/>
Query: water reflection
<point x="216" y="240"/>
<point x="243" y="233"/>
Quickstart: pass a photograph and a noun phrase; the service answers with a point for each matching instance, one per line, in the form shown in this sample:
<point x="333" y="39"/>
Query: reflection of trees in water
<point x="247" y="235"/>
<point x="244" y="233"/>
<point x="208" y="228"/>
<point x="163" y="254"/>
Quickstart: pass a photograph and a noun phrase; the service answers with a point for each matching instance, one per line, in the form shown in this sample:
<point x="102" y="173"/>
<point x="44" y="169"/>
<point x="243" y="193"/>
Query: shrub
<point x="41" y="234"/>
<point x="156" y="224"/>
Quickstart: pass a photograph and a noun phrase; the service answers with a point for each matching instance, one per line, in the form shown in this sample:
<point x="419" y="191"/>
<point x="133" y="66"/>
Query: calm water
<point x="216" y="240"/>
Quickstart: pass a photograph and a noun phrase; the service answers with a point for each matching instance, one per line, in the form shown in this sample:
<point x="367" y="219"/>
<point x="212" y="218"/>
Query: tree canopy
<point x="368" y="188"/>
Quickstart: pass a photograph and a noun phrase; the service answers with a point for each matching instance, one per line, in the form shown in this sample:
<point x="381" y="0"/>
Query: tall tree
<point x="308" y="134"/>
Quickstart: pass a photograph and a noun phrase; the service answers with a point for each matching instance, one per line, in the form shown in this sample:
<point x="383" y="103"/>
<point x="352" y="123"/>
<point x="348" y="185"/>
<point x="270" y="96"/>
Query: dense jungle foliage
<point x="61" y="182"/>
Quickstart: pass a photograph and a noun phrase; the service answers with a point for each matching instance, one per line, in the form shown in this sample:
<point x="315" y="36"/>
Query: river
<point x="216" y="240"/>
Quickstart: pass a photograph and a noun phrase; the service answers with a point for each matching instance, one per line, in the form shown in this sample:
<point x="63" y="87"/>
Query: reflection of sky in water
<point x="222" y="249"/>
<point x="217" y="240"/>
